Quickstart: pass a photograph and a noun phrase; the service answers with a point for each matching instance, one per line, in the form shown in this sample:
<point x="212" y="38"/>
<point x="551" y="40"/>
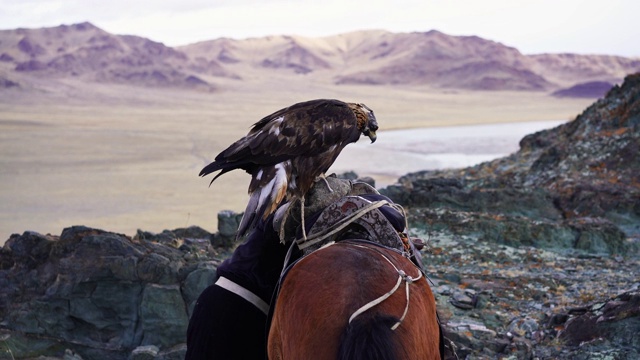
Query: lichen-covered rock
<point x="576" y="186"/>
<point x="195" y="281"/>
<point x="101" y="294"/>
<point x="163" y="315"/>
<point x="499" y="301"/>
<point x="228" y="222"/>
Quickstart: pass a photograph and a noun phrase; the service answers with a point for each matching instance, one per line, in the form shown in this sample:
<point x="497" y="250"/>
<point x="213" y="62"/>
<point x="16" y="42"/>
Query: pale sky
<point x="532" y="26"/>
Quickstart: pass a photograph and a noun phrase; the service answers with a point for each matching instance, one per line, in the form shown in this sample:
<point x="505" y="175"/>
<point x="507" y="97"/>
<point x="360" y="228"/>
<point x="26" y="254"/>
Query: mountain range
<point x="370" y="57"/>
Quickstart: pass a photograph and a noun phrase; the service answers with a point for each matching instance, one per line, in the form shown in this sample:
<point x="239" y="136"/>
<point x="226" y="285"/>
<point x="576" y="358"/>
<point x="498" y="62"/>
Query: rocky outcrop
<point x="576" y="186"/>
<point x="574" y="190"/>
<point x="102" y="295"/>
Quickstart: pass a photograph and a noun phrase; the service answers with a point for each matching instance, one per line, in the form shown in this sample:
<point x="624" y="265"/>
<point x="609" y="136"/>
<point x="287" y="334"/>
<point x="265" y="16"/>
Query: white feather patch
<point x="275" y="130"/>
<point x="270" y="190"/>
<point x="281" y="176"/>
<point x="275" y="126"/>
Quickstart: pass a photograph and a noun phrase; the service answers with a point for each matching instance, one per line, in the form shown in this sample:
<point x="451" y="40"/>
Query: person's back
<point x="229" y="319"/>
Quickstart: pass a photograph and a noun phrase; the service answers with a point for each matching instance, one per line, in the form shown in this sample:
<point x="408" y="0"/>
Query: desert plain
<point x="124" y="158"/>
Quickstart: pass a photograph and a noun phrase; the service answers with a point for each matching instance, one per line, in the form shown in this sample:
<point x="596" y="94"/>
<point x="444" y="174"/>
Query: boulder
<point x="616" y="320"/>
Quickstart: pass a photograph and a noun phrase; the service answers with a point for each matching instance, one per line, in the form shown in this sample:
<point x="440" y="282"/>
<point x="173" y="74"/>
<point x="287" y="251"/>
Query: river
<point x="397" y="152"/>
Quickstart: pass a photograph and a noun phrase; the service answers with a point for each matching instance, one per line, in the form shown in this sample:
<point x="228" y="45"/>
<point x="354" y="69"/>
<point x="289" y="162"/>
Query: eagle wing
<point x="316" y="128"/>
<point x="304" y="129"/>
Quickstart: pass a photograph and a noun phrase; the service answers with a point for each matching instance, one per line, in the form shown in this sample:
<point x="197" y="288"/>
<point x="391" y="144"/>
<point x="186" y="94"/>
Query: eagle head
<point x="367" y="123"/>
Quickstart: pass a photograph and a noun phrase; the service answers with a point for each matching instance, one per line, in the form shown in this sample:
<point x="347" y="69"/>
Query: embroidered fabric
<point x="356" y="215"/>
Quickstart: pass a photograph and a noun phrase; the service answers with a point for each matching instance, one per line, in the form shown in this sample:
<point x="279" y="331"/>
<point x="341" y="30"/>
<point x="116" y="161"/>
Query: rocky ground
<point x="91" y="294"/>
<point x="499" y="301"/>
<point x="533" y="256"/>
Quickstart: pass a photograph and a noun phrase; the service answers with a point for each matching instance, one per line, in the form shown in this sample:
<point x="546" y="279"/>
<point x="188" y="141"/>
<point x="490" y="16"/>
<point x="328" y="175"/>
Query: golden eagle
<point x="288" y="150"/>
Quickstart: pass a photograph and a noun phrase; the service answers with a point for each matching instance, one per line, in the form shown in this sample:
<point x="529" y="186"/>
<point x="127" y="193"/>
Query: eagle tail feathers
<point x="213" y="167"/>
<point x="264" y="200"/>
<point x="224" y="166"/>
<point x="248" y="218"/>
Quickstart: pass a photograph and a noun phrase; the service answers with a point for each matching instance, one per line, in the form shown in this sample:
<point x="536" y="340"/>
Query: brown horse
<point x="354" y="300"/>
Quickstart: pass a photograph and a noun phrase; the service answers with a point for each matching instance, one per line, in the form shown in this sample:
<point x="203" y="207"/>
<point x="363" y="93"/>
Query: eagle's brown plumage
<point x="286" y="151"/>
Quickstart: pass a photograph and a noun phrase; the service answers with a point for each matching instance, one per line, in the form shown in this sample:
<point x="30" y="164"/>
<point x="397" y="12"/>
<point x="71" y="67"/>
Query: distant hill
<point x="86" y="52"/>
<point x="372" y="57"/>
<point x="591" y="89"/>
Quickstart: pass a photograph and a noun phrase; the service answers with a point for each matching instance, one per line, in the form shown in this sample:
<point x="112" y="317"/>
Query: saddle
<point x="343" y="209"/>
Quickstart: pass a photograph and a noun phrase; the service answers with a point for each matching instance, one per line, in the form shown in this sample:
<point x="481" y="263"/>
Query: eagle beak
<point x="371" y="134"/>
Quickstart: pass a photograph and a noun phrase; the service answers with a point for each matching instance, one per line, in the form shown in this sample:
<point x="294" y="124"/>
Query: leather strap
<point x="227" y="284"/>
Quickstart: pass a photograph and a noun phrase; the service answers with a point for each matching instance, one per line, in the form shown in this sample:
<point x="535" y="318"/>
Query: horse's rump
<point x="324" y="289"/>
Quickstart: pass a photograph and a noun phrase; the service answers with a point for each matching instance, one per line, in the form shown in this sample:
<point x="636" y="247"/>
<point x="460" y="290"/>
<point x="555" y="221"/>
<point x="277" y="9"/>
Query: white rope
<point x="376" y="301"/>
<point x="406" y="308"/>
<point x="401" y="276"/>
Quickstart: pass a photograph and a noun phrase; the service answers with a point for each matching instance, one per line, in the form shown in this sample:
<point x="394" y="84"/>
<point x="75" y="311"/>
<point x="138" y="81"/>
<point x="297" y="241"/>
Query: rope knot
<point x="407" y="278"/>
<point x="404" y="276"/>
